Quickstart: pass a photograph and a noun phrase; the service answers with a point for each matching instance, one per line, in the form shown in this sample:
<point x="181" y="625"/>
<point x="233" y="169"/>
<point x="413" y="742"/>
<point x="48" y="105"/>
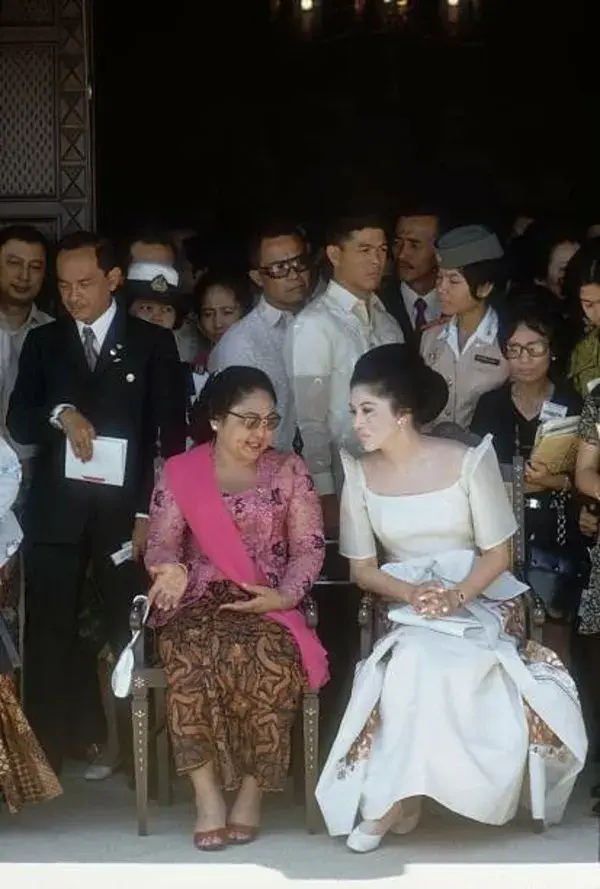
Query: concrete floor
<point x="88" y="837"/>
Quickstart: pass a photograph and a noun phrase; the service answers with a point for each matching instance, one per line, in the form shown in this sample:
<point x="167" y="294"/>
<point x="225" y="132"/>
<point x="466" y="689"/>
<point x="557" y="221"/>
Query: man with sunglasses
<point x="280" y="267"/>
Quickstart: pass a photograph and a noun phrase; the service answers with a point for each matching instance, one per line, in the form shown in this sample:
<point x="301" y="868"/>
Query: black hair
<point x="276" y="228"/>
<point x="396" y="371"/>
<point x="227" y="279"/>
<point x="179" y="302"/>
<point x="105" y="252"/>
<point x="536" y="313"/>
<point x="342" y="229"/>
<point x="544" y="236"/>
<point x="582" y="270"/>
<point x="28" y="234"/>
<point x="488" y="271"/>
<point x="151" y="236"/>
<point x="221" y="392"/>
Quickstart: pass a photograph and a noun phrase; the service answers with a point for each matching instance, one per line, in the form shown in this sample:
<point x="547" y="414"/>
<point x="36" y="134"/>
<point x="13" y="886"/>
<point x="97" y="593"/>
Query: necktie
<point x="89" y="344"/>
<point x="420" y="307"/>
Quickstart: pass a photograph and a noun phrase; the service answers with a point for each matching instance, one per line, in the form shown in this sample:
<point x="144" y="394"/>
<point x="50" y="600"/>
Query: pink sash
<point x="192" y="481"/>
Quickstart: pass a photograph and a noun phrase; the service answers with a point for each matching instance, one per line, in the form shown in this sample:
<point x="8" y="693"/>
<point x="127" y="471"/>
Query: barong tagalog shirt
<point x="323" y="345"/>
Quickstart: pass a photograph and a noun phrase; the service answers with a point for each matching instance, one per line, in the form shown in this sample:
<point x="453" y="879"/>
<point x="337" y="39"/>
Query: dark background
<point x="212" y="113"/>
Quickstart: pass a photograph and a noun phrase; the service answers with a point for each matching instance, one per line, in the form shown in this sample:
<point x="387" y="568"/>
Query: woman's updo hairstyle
<point x="221" y="393"/>
<point x="398" y="372"/>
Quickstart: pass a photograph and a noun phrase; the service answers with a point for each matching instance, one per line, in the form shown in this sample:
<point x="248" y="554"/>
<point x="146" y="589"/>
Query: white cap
<point x="151" y="271"/>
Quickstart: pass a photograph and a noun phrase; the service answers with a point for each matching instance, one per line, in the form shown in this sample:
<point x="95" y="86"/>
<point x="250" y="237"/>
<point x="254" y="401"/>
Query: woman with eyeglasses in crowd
<point x="536" y="391"/>
<point x="235" y="542"/>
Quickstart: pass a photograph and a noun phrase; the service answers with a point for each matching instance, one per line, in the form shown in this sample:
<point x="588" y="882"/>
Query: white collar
<point x="486" y="332"/>
<point x="347" y="300"/>
<point x="272" y="315"/>
<point x="100" y="325"/>
<point x="412" y="296"/>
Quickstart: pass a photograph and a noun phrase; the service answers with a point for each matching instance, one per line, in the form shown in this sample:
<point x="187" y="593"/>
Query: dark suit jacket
<point x="391" y="297"/>
<point x="495" y="414"/>
<point x="136" y="389"/>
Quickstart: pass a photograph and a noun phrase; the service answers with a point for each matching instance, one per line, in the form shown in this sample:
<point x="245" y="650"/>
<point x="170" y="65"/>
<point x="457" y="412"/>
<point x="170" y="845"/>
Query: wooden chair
<point x="372" y="613"/>
<point x="149" y="676"/>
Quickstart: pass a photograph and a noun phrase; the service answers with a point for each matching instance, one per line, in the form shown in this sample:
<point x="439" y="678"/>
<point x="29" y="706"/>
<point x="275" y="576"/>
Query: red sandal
<point x="211" y="840"/>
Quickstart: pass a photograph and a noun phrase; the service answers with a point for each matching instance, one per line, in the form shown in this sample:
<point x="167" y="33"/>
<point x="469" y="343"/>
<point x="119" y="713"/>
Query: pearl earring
<point x="401" y="421"/>
<point x="213" y="426"/>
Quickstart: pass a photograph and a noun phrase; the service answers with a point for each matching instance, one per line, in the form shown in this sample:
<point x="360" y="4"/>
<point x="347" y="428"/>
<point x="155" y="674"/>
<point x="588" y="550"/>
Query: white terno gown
<point x="454" y="709"/>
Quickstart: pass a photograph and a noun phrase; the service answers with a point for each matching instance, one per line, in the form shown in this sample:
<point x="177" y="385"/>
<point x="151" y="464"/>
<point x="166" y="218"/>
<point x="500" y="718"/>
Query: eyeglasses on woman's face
<point x="255" y="421"/>
<point x="534" y="349"/>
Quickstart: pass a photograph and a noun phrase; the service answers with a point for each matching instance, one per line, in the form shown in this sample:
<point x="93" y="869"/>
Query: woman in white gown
<point x="451" y="704"/>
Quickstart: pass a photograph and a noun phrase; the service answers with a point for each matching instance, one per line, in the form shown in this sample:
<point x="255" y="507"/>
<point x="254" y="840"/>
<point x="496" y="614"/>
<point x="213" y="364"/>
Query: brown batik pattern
<point x="234" y="683"/>
<point x="25" y="776"/>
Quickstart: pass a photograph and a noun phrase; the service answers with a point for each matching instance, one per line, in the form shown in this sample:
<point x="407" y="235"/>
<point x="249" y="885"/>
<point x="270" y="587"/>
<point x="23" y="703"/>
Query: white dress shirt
<point x="12" y="341"/>
<point x="410" y="297"/>
<point x="258" y="340"/>
<point x="100" y="326"/>
<point x="325" y="342"/>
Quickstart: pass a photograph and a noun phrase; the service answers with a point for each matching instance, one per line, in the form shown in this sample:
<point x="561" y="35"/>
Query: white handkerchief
<point x="107" y="466"/>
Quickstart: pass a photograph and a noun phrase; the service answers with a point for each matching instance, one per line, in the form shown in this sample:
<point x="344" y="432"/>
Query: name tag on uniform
<point x="552" y="411"/>
<point x="486" y="359"/>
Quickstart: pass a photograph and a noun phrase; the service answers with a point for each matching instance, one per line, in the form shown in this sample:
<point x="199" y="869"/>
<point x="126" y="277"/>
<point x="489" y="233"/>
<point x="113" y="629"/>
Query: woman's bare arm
<point x="587" y="479"/>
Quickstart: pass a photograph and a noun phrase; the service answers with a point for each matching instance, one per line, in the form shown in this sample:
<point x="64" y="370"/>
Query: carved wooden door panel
<point x="46" y="149"/>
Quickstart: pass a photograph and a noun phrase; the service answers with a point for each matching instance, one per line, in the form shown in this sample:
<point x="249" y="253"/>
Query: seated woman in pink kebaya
<point x="235" y="543"/>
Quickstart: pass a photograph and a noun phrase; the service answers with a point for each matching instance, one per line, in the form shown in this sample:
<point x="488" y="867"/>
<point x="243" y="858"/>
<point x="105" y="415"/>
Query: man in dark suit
<point x="95" y="372"/>
<point x="410" y="294"/>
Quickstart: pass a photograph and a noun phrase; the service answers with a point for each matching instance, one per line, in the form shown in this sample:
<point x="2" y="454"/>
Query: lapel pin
<point x="130" y="378"/>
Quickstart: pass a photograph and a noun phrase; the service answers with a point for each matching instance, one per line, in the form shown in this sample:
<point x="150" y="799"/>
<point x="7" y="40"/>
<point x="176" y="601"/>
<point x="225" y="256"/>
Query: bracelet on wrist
<point x="185" y="568"/>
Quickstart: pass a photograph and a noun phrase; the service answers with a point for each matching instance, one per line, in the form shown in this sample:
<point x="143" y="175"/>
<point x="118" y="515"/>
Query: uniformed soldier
<point x="464" y="349"/>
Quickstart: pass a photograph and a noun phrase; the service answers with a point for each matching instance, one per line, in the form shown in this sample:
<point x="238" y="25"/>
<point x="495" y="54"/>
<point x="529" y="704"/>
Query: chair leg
<point x="311" y="759"/>
<point x="139" y="719"/>
<point x="537" y="788"/>
<point x="163" y="762"/>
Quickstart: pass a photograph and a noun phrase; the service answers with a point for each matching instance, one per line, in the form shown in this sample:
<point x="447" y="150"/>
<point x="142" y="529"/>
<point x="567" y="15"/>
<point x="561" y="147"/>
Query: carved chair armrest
<point x="365" y="611"/>
<point x="311" y="611"/>
<point x="136" y="625"/>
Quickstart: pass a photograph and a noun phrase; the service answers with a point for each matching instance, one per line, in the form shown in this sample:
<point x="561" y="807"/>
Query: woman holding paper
<point x="25" y="775"/>
<point x="519" y="416"/>
<point x="235" y="542"/>
<point x="448" y="705"/>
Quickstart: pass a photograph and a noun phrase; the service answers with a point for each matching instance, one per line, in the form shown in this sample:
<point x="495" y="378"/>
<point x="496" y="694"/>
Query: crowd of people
<point x="182" y="429"/>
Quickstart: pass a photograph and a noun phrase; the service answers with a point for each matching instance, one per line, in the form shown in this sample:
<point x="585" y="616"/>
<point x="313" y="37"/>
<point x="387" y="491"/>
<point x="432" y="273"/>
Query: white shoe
<point x="358" y="841"/>
<point x="98" y="771"/>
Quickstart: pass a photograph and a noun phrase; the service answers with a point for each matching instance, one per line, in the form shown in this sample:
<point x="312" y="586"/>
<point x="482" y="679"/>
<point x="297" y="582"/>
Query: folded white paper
<point x="123" y="554"/>
<point x="107" y="466"/>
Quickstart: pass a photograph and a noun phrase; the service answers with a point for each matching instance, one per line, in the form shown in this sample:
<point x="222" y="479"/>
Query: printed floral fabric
<point x="279" y="522"/>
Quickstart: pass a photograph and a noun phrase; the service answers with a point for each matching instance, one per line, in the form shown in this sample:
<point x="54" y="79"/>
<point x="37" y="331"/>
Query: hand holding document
<point x="107" y="466"/>
<point x="556" y="445"/>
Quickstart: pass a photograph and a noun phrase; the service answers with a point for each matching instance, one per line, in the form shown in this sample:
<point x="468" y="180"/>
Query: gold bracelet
<point x="460" y="596"/>
<point x="185" y="568"/>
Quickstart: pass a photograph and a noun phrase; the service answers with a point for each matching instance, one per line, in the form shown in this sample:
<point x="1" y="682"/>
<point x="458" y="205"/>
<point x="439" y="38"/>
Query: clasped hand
<point x="170" y="584"/>
<point x="264" y="599"/>
<point x="432" y="600"/>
